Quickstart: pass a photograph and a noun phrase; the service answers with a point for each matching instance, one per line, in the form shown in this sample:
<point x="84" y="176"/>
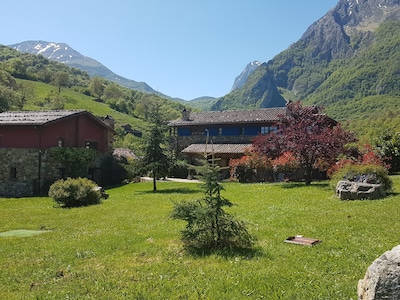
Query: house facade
<point x="26" y="137"/>
<point x="226" y="134"/>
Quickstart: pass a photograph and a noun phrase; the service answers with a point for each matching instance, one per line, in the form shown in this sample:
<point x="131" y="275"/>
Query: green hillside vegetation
<point x="259" y="91"/>
<point x="77" y="100"/>
<point x="375" y="71"/>
<point x="299" y="70"/>
<point x="365" y="91"/>
<point x="39" y="69"/>
<point x="367" y="116"/>
<point x="363" y="85"/>
<point x="202" y="103"/>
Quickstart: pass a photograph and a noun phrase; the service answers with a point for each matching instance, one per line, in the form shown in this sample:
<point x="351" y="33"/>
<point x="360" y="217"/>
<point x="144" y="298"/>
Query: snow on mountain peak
<point x="241" y="79"/>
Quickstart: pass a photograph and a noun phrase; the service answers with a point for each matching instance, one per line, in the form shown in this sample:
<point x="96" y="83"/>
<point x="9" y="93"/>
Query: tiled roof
<point x="34" y="117"/>
<point x="217" y="148"/>
<point x="231" y="117"/>
<point x="124" y="152"/>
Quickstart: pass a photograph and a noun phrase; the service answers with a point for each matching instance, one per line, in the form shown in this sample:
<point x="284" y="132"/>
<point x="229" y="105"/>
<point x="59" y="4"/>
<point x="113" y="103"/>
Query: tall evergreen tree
<point x="156" y="159"/>
<point x="209" y="227"/>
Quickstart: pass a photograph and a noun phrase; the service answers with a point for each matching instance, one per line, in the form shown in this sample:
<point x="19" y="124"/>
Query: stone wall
<point x="25" y="172"/>
<point x="30" y="172"/>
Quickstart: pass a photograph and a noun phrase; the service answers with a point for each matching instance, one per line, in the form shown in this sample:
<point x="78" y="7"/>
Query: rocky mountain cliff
<point x="260" y="90"/>
<point x="342" y="33"/>
<point x="329" y="44"/>
<point x="63" y="53"/>
<point x="242" y="78"/>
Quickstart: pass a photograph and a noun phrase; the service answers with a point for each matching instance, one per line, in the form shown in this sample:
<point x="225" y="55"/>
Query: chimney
<point x="109" y="121"/>
<point x="185" y="115"/>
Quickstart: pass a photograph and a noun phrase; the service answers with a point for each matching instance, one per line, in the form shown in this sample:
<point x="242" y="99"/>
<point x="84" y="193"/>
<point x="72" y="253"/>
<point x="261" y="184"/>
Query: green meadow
<point x="74" y="100"/>
<point x="128" y="247"/>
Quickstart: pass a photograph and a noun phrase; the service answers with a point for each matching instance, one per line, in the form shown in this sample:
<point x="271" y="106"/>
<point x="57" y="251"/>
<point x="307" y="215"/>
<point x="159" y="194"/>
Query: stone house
<point x="26" y="136"/>
<point x="226" y="134"/>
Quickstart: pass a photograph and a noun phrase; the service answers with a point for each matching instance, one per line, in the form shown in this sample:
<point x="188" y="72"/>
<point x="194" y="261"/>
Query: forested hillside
<point x="63" y="53"/>
<point x="21" y="73"/>
<point x="317" y="78"/>
<point x="32" y="82"/>
<point x="259" y="91"/>
<point x="365" y="91"/>
<point x="353" y="76"/>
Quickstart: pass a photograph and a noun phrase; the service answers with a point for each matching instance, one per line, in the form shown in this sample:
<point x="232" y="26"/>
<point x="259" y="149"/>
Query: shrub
<point x="251" y="168"/>
<point x="209" y="227"/>
<point x="75" y="160"/>
<point x="112" y="170"/>
<point x="133" y="167"/>
<point x="74" y="192"/>
<point x="373" y="173"/>
<point x="178" y="169"/>
<point x="286" y="163"/>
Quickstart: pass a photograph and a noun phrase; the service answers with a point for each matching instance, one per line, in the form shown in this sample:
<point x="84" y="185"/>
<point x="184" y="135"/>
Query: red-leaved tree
<point x="252" y="167"/>
<point x="366" y="155"/>
<point x="308" y="134"/>
<point x="286" y="162"/>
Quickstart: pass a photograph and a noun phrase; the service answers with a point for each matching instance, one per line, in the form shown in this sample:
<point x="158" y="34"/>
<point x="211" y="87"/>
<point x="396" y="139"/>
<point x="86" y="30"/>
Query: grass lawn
<point x="128" y="248"/>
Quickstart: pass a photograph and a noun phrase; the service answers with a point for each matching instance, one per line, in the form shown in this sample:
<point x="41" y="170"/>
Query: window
<point x="268" y="129"/>
<point x="273" y="128"/>
<point x="197" y="131"/>
<point x="173" y="131"/>
<point x="91" y="145"/>
<point x="242" y="130"/>
<point x="60" y="142"/>
<point x="264" y="130"/>
<point x="220" y="131"/>
<point x="13" y="173"/>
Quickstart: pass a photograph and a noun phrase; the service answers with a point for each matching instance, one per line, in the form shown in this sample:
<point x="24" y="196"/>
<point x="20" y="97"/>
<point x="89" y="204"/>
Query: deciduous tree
<point x="25" y="92"/>
<point x="97" y="86"/>
<point x="388" y="145"/>
<point x="7" y="97"/>
<point x="60" y="79"/>
<point x="311" y="136"/>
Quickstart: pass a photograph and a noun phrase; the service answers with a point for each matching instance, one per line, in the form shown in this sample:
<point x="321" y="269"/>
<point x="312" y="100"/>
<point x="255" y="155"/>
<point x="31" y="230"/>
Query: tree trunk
<point x="308" y="176"/>
<point x="154" y="183"/>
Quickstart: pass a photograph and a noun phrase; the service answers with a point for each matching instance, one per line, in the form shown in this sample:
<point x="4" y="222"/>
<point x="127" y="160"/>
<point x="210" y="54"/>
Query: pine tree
<point x="156" y="159"/>
<point x="209" y="227"/>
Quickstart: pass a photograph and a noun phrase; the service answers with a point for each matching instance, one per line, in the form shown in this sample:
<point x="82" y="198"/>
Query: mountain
<point x="201" y="103"/>
<point x="352" y="52"/>
<point x="242" y="78"/>
<point x="63" y="53"/>
<point x="343" y="33"/>
<point x="260" y="90"/>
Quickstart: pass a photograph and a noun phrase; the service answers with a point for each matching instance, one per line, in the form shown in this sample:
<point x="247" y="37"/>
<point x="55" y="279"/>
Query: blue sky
<point x="182" y="48"/>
